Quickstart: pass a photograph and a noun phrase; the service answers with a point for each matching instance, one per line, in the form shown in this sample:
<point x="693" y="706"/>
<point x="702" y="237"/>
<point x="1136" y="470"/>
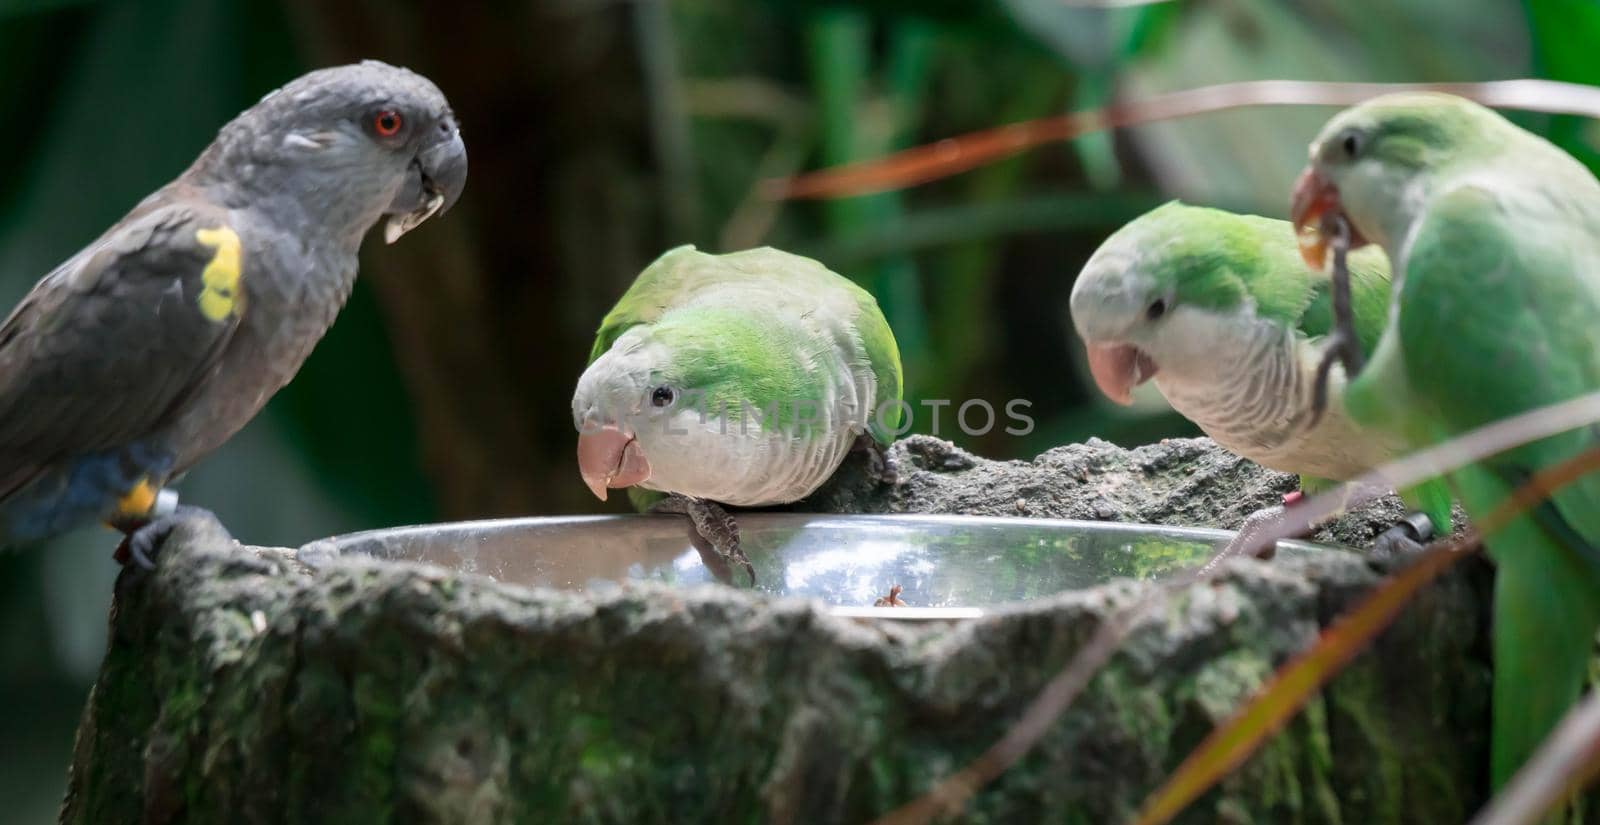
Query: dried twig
<point x="947" y="157"/>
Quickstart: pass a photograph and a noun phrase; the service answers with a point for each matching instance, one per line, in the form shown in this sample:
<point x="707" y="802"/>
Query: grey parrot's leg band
<point x="1405" y="538"/>
<point x="166" y="504"/>
<point x="718" y="530"/>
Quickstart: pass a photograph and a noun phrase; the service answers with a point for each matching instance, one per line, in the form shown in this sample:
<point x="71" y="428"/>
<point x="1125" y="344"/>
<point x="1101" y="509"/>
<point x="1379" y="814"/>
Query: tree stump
<point x="242" y="686"/>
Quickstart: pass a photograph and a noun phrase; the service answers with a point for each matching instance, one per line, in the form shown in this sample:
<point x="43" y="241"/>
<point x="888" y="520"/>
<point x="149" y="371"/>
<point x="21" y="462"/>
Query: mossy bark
<point x="241" y="686"/>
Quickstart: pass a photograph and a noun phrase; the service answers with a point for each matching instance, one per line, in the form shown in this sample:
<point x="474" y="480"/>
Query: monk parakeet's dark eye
<point x="1351" y="143"/>
<point x="662" y="396"/>
<point x="1157" y="308"/>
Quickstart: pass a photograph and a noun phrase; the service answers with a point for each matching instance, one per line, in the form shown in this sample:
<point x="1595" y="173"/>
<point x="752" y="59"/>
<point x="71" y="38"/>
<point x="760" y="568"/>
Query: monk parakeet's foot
<point x="142" y="542"/>
<point x="881" y="466"/>
<point x="716" y="535"/>
<point x="1261" y="518"/>
<point x="1405" y="538"/>
<point x="1341" y="346"/>
<point x="1255" y="522"/>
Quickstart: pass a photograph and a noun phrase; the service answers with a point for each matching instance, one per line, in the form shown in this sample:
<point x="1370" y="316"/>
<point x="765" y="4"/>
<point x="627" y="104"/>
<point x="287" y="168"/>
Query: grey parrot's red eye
<point x="387" y="123"/>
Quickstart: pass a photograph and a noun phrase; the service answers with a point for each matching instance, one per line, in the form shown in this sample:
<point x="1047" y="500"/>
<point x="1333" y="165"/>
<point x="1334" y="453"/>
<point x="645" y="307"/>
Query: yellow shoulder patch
<point x="220" y="297"/>
<point x="138" y="500"/>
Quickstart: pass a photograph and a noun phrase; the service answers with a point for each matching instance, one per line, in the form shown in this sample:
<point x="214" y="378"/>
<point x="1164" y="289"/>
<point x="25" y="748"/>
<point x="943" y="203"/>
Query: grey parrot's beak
<point x="438" y="174"/>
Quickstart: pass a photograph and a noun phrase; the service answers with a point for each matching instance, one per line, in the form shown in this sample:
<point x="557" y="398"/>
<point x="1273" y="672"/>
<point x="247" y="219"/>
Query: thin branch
<point x="950" y="156"/>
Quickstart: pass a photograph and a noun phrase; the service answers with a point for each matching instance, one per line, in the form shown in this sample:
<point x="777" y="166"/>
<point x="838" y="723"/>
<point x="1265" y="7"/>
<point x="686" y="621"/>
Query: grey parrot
<point x="158" y="341"/>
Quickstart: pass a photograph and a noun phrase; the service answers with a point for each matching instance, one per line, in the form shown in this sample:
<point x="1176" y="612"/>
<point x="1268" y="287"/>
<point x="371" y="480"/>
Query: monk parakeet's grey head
<point x="741" y="378"/>
<point x="626" y="404"/>
<point x="1158" y="294"/>
<point x="1374" y="164"/>
<point x="673" y="405"/>
<point x="342" y="147"/>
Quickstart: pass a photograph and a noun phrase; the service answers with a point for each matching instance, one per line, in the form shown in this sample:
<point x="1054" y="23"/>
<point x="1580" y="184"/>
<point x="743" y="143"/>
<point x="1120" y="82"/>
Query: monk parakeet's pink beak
<point x="1118" y="368"/>
<point x="608" y="458"/>
<point x="1314" y="198"/>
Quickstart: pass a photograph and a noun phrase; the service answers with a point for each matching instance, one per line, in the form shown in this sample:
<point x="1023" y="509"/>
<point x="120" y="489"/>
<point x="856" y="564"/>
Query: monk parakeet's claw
<point x="1342" y="345"/>
<point x="881" y="466"/>
<point x="1256" y="522"/>
<point x="1405" y="538"/>
<point x="1261" y="518"/>
<point x="716" y="535"/>
<point x="142" y="543"/>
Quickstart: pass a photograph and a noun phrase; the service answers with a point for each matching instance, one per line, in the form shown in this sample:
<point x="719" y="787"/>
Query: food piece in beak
<point x="609" y="459"/>
<point x="1118" y="368"/>
<point x="1313" y="197"/>
<point x="1314" y="204"/>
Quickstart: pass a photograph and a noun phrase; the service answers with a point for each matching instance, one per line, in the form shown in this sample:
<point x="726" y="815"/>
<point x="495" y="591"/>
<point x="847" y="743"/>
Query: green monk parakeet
<point x="1221" y="312"/>
<point x="739" y="379"/>
<point x="157" y="342"/>
<point x="1494" y="237"/>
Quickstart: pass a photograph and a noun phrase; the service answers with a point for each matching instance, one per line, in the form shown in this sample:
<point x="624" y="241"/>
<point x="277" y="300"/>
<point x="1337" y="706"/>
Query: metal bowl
<point x="948" y="567"/>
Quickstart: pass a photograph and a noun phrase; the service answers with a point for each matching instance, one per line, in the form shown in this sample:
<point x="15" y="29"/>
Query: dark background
<point x="601" y="133"/>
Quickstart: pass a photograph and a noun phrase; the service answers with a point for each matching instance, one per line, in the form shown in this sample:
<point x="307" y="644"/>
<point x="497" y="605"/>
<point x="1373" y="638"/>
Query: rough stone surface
<point x="1188" y="482"/>
<point x="241" y="686"/>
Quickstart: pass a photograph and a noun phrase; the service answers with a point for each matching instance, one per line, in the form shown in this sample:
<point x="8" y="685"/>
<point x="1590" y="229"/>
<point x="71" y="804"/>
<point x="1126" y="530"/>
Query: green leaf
<point x="1564" y="36"/>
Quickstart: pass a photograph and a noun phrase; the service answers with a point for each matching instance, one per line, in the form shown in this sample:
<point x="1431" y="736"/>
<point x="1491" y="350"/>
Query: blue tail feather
<point x="78" y="492"/>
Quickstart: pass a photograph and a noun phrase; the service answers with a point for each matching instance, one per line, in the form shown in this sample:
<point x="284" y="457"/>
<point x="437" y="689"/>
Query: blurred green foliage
<point x="602" y="133"/>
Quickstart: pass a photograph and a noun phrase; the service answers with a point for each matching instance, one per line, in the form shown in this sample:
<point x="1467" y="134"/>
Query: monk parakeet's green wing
<point x="1518" y="331"/>
<point x="660" y="287"/>
<point x="1526" y="334"/>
